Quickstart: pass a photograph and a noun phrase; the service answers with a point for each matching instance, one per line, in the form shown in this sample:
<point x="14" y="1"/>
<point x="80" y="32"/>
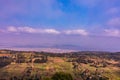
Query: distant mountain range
<point x="53" y="50"/>
<point x="57" y="48"/>
<point x="45" y="48"/>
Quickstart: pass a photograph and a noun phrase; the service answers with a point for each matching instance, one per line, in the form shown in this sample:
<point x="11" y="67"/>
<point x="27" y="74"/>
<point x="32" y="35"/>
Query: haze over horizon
<point x="65" y="24"/>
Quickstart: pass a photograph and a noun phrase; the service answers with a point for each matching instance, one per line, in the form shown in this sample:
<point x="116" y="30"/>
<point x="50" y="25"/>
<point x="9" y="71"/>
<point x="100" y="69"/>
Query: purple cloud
<point x="114" y="22"/>
<point x="88" y="3"/>
<point x="61" y="22"/>
<point x="113" y="11"/>
<point x="49" y="8"/>
<point x="93" y="3"/>
<point x="112" y="32"/>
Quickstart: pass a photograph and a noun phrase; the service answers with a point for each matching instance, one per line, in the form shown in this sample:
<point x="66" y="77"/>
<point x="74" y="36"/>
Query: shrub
<point x="47" y="78"/>
<point x="62" y="76"/>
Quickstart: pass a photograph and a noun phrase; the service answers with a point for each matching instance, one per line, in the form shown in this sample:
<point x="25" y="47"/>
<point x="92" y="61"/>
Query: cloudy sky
<point x="69" y="24"/>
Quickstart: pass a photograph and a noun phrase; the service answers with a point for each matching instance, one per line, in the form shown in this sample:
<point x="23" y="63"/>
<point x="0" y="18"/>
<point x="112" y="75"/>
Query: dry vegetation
<point x="22" y="65"/>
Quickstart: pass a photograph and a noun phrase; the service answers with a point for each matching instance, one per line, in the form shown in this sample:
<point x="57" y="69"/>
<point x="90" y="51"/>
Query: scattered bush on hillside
<point x="62" y="76"/>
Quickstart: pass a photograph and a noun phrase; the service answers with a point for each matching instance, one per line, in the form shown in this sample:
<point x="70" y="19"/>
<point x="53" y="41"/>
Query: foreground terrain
<point x="84" y="65"/>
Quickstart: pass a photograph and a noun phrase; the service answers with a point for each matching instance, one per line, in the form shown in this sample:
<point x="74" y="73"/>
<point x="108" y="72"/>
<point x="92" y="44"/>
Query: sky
<point x="68" y="24"/>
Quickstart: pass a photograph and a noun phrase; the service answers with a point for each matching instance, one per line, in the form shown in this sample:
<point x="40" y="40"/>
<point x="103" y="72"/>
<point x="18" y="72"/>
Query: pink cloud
<point x="115" y="22"/>
<point x="47" y="8"/>
<point x="1" y="31"/>
<point x="113" y="10"/>
<point x="93" y="3"/>
<point x="11" y="7"/>
<point x="112" y="32"/>
<point x="77" y="31"/>
<point x="32" y="30"/>
<point x="89" y="3"/>
<point x="27" y="29"/>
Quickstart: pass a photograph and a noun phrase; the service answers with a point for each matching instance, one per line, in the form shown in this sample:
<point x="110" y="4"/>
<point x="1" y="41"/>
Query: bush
<point x="47" y="78"/>
<point x="104" y="78"/>
<point x="62" y="76"/>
